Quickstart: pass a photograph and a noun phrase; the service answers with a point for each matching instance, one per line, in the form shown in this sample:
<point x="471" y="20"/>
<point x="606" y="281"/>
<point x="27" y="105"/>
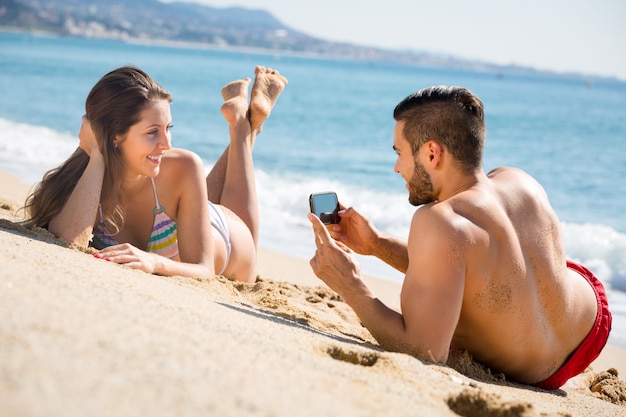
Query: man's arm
<point x="392" y="251"/>
<point x="433" y="288"/>
<point x="431" y="295"/>
<point x="360" y="235"/>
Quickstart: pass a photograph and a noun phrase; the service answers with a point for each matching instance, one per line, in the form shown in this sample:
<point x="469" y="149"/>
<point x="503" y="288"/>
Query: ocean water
<point x="332" y="129"/>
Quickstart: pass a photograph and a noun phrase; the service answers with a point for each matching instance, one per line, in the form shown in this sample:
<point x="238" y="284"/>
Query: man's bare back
<point x="510" y="213"/>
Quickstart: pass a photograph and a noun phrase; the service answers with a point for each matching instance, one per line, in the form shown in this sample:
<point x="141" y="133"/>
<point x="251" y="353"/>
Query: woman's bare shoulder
<point x="181" y="155"/>
<point x="181" y="173"/>
<point x="182" y="159"/>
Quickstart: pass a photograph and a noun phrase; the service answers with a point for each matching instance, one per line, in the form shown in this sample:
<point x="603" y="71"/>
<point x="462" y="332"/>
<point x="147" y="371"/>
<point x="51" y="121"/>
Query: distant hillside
<point x="147" y="19"/>
<point x="151" y="20"/>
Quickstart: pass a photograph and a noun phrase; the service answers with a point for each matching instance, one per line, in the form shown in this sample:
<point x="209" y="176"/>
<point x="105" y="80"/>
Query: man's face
<point x="418" y="181"/>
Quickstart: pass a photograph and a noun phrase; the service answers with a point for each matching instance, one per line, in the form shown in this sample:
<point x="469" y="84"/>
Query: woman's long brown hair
<point x="113" y="105"/>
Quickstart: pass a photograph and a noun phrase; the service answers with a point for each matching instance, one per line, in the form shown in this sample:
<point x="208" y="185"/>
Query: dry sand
<point x="83" y="337"/>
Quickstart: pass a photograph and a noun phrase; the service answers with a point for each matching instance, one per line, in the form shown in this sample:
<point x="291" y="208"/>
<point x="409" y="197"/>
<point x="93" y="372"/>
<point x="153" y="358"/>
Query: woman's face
<point x="147" y="140"/>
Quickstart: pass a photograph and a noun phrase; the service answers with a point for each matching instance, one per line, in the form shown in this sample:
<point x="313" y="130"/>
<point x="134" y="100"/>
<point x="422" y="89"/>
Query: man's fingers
<point x="313" y="263"/>
<point x="344" y="247"/>
<point x="321" y="234"/>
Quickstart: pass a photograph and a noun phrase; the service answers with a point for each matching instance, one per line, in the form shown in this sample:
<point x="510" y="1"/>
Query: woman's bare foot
<point x="268" y="84"/>
<point x="235" y="96"/>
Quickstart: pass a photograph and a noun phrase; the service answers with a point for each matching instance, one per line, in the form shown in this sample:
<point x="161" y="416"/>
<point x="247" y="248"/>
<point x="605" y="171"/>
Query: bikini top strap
<point x="100" y="211"/>
<point x="158" y="208"/>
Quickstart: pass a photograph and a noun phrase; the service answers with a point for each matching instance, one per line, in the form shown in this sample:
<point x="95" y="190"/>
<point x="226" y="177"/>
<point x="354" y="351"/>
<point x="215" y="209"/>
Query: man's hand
<point x="334" y="263"/>
<point x="355" y="231"/>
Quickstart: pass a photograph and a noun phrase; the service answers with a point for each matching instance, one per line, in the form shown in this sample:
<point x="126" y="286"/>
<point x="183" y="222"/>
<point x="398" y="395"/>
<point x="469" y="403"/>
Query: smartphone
<point x="325" y="206"/>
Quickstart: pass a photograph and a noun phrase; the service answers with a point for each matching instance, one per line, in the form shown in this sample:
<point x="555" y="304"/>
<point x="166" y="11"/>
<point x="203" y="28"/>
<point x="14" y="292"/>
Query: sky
<point x="587" y="37"/>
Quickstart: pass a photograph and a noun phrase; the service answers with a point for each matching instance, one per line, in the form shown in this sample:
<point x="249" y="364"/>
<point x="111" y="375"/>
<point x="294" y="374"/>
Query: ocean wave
<point x="284" y="204"/>
<point x="600" y="248"/>
<point x="28" y="151"/>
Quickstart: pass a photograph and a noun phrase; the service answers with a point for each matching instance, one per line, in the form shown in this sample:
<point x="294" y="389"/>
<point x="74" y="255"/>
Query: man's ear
<point x="435" y="152"/>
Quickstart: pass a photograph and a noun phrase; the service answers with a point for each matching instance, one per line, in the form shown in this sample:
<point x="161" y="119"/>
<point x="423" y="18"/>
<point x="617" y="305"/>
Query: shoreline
<point x="81" y="336"/>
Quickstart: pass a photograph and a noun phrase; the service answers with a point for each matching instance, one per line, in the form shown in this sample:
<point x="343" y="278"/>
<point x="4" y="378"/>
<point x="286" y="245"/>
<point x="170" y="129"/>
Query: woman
<point x="144" y="202"/>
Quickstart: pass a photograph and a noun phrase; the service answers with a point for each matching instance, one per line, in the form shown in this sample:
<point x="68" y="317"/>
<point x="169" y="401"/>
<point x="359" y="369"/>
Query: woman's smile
<point x="155" y="158"/>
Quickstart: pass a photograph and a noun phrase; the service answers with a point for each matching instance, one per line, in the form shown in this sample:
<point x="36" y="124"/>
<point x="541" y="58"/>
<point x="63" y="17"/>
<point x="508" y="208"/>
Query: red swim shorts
<point x="592" y="345"/>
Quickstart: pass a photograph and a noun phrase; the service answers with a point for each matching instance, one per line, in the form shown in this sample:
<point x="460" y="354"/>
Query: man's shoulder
<point x="514" y="182"/>
<point x="505" y="171"/>
<point x="439" y="219"/>
<point x="511" y="176"/>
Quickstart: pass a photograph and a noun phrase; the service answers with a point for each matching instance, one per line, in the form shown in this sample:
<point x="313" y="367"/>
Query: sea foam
<point x="28" y="151"/>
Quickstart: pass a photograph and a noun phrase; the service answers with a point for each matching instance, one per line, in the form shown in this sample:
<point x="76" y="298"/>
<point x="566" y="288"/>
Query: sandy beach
<point x="81" y="336"/>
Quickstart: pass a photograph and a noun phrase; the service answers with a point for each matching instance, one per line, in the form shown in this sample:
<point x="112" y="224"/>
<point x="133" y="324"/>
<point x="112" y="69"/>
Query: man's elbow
<point x="423" y="353"/>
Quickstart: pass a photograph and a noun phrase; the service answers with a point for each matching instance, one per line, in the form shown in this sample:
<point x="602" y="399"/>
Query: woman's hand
<point x="132" y="257"/>
<point x="87" y="138"/>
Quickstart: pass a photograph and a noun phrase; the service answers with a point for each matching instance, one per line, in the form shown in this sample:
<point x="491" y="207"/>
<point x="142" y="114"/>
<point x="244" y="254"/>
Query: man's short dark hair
<point x="452" y="116"/>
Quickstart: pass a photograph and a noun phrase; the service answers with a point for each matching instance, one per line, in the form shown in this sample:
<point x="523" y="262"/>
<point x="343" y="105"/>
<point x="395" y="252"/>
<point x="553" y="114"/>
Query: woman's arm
<point x="195" y="238"/>
<point x="182" y="190"/>
<point x="152" y="263"/>
<point x="75" y="221"/>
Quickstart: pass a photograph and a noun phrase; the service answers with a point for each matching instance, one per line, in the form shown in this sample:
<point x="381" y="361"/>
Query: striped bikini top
<point x="163" y="238"/>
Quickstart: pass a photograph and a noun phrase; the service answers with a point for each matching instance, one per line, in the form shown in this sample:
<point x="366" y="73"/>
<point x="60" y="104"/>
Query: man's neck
<point x="457" y="182"/>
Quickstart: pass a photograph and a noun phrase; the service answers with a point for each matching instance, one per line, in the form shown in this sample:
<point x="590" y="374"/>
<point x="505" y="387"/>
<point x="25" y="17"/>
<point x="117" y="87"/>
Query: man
<point x="484" y="262"/>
